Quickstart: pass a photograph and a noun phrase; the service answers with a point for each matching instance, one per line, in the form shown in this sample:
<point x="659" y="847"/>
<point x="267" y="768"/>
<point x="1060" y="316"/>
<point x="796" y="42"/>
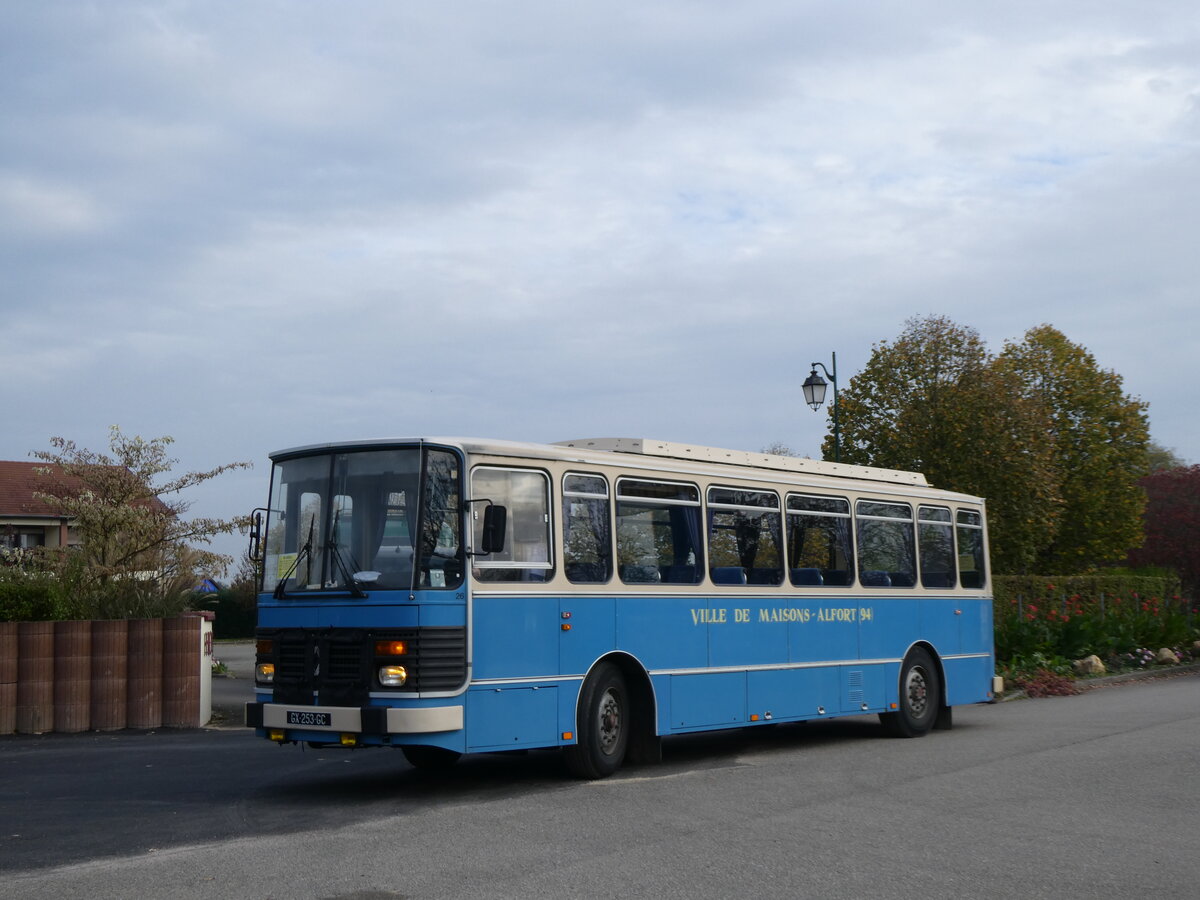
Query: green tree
<point x="1162" y="459"/>
<point x="1099" y="437"/>
<point x="137" y="551"/>
<point x="933" y="402"/>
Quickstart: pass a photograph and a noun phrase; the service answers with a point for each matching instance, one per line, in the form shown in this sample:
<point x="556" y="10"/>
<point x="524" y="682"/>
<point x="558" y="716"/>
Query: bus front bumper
<point x="355" y="719"/>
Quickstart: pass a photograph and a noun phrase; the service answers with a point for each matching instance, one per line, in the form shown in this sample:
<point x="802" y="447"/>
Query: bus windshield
<point x="358" y="521"/>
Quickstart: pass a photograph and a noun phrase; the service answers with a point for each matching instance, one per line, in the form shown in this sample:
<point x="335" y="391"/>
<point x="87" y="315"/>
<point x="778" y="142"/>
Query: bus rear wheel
<point x="430" y="759"/>
<point x="920" y="697"/>
<point x="603" y="725"/>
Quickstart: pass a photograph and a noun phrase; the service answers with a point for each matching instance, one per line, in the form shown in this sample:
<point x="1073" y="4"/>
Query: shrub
<point x="1077" y="616"/>
<point x="236" y="613"/>
<point x="27" y="601"/>
<point x="55" y="585"/>
<point x="1120" y="584"/>
<point x="1044" y="683"/>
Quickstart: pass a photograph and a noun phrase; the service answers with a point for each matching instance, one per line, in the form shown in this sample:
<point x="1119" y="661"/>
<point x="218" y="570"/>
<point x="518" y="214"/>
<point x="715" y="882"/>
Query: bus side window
<point x="658" y="533"/>
<point x="971" y="566"/>
<point x="935" y="538"/>
<point x="743" y="537"/>
<point x="819" y="541"/>
<point x="525" y="493"/>
<point x="886" y="544"/>
<point x="587" y="529"/>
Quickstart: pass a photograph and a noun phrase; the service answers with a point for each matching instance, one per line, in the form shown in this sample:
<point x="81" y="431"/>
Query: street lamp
<point x="814" y="396"/>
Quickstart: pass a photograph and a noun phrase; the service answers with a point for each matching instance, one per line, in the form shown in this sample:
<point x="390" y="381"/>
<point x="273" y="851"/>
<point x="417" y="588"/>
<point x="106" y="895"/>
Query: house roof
<point x="18" y="482"/>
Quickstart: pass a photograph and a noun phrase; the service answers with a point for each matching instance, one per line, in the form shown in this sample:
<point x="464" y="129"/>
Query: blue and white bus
<point x="447" y="596"/>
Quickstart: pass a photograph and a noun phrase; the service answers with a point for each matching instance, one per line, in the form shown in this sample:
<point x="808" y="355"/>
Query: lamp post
<point x="814" y="396"/>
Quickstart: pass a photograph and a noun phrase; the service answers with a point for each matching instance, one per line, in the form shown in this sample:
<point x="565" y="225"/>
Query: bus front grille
<point x="338" y="666"/>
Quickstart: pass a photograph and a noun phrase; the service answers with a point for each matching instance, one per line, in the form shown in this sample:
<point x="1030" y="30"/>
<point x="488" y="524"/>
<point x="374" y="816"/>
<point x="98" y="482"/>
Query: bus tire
<point x="602" y="726"/>
<point x="430" y="759"/>
<point x="920" y="697"/>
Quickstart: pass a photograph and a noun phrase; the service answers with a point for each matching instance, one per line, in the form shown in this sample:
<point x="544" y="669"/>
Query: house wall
<point x="19" y="531"/>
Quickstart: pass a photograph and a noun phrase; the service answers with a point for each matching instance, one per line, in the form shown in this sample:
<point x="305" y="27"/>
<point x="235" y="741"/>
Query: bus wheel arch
<point x="614" y="719"/>
<point x="922" y="704"/>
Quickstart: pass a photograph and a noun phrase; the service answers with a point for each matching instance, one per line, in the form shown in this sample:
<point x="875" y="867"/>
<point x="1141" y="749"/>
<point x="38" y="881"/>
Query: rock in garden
<point x="1089" y="665"/>
<point x="1165" y="657"/>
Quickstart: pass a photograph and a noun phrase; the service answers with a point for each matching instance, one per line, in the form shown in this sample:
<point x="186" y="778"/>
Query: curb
<point x="1088" y="684"/>
<point x="1145" y="674"/>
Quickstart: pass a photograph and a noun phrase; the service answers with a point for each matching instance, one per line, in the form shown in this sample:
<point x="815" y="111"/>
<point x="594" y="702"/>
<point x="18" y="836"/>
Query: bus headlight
<point x="393" y="676"/>
<point x="264" y="673"/>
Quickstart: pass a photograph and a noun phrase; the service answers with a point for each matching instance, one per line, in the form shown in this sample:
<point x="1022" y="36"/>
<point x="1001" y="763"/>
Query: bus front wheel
<point x="920" y="697"/>
<point x="603" y="725"/>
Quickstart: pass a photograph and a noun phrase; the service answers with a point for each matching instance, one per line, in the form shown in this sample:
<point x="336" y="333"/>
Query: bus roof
<point x="671" y="450"/>
<point x="637" y="446"/>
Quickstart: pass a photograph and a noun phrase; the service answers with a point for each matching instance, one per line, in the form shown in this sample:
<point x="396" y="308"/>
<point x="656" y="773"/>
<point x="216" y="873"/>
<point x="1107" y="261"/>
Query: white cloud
<point x="31" y="206"/>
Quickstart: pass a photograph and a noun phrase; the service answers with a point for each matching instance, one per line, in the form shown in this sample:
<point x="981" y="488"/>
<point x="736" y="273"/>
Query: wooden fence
<point x="105" y="675"/>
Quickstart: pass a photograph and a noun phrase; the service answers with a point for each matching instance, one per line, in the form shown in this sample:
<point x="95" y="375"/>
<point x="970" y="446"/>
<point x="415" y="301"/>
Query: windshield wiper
<point x="306" y="550"/>
<point x="340" y="564"/>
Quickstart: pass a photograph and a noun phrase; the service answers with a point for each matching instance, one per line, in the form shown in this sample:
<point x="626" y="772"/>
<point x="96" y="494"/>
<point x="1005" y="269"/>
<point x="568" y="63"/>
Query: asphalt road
<point x="1095" y="794"/>
<point x="232" y="691"/>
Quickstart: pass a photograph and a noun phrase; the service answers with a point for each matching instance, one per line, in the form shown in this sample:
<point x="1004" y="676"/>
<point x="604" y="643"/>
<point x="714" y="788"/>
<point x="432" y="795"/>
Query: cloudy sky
<point x="252" y="225"/>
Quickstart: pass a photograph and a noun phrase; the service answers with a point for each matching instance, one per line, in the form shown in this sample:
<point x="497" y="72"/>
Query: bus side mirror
<point x="255" y="534"/>
<point x="495" y="524"/>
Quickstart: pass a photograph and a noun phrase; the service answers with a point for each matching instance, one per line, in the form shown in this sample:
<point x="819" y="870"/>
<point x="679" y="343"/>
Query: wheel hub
<point x="610" y="721"/>
<point x="917" y="691"/>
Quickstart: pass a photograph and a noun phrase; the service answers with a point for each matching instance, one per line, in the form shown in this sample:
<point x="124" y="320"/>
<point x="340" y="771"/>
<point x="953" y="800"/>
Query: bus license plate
<point x="312" y="719"/>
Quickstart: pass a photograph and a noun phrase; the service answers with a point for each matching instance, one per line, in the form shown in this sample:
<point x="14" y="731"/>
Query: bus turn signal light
<point x="391" y="648"/>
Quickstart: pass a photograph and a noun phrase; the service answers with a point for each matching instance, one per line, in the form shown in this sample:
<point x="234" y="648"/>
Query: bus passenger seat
<point x="640" y="574"/>
<point x="728" y="575"/>
<point x="586" y="572"/>
<point x="679" y="573"/>
<point x="876" y="579"/>
<point x="807" y="576"/>
<point x="765" y="575"/>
